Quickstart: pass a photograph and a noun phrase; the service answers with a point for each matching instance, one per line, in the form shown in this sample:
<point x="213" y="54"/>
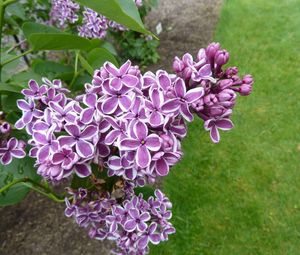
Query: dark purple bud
<point x="225" y="84"/>
<point x="5" y="128"/>
<point x="167" y="142"/>
<point x="134" y="70"/>
<point x="227" y="98"/>
<point x="221" y="57"/>
<point x="246" y="88"/>
<point x="211" y="50"/>
<point x="187" y="73"/>
<point x="231" y="71"/>
<point x="178" y="65"/>
<point x="210" y="99"/>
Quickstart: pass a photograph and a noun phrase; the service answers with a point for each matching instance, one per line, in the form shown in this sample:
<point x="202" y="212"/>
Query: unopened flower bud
<point x="221" y="57"/>
<point x="231" y="71"/>
<point x="210" y="99"/>
<point x="227" y="98"/>
<point x="5" y="128"/>
<point x="187" y="59"/>
<point x="178" y="65"/>
<point x="246" y="88"/>
<point x="211" y="50"/>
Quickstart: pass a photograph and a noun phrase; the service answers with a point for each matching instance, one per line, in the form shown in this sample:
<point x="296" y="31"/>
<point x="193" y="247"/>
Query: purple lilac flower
<point x="127" y="125"/>
<point x="183" y="99"/>
<point x="143" y="143"/>
<point x="64" y="11"/>
<point x="132" y="224"/>
<point x="79" y="139"/>
<point x="10" y="151"/>
<point x="93" y="25"/>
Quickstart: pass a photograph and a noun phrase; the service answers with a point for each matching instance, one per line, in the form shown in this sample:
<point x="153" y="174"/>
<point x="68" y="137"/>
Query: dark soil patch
<point x="38" y="226"/>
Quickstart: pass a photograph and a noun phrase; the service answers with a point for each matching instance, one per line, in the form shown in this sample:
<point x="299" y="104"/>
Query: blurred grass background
<point x="242" y="196"/>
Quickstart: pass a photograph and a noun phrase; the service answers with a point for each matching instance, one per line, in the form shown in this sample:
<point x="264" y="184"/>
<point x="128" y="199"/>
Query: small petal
<point x="73" y="130"/>
<point x="111" y="68"/>
<point x="6" y="158"/>
<point x="194" y="94"/>
<point x="129" y="144"/>
<point x="153" y="142"/>
<point x="110" y="105"/>
<point x="143" y="157"/>
<point x="86" y="116"/>
<point x="130" y="80"/>
<point x="156" y="119"/>
<point x="84" y="149"/>
<point x="83" y="170"/>
<point x="224" y="124"/>
<point x="17" y="153"/>
<point x="115" y="83"/>
<point x="89" y="132"/>
<point x="130" y="225"/>
<point x="180" y="88"/>
<point x="162" y="167"/>
<point x="171" y="105"/>
<point x="185" y="111"/>
<point x="23" y="105"/>
<point x="125" y="103"/>
<point x="140" y="130"/>
<point x="214" y="134"/>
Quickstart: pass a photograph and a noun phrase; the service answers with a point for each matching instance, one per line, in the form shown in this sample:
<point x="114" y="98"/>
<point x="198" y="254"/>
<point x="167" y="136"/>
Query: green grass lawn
<point x="242" y="196"/>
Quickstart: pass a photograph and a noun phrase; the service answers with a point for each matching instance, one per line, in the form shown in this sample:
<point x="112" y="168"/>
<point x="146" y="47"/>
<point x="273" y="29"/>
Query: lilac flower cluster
<point x="133" y="224"/>
<point x="129" y="125"/>
<point x="220" y="86"/>
<point x="64" y="11"/>
<point x="10" y="147"/>
<point x="93" y="25"/>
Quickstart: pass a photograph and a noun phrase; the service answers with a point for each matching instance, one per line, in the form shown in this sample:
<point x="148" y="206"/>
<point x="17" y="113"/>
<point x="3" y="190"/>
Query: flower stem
<point x="75" y="69"/>
<point x="34" y="186"/>
<point x="16" y="57"/>
<point x="2" y="8"/>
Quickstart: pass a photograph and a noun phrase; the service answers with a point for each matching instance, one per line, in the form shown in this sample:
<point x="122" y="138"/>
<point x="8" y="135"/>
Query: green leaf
<point x="16" y="9"/>
<point x="5" y="87"/>
<point x="80" y="81"/>
<point x="124" y="12"/>
<point x="51" y="69"/>
<point x="78" y="182"/>
<point x="9" y="101"/>
<point x="8" y="70"/>
<point x="30" y="28"/>
<point x="97" y="57"/>
<point x="109" y="47"/>
<point x="62" y="41"/>
<point x="42" y="37"/>
<point x="24" y="77"/>
<point x="19" y="168"/>
<point x="147" y="191"/>
<point x="86" y="65"/>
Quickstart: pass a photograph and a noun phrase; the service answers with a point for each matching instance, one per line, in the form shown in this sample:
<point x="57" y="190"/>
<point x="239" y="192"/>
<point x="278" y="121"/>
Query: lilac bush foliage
<point x="129" y="126"/>
<point x="93" y="25"/>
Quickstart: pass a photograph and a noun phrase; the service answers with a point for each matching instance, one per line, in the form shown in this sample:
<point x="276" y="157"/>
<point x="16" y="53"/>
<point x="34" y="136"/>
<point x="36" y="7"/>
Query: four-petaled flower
<point x="143" y="143"/>
<point x="120" y="77"/>
<point x="183" y="99"/>
<point x="12" y="149"/>
<point x="29" y="112"/>
<point x="81" y="139"/>
<point x="137" y="220"/>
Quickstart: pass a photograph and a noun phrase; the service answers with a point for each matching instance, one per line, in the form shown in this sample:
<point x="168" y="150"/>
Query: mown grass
<point x="242" y="196"/>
